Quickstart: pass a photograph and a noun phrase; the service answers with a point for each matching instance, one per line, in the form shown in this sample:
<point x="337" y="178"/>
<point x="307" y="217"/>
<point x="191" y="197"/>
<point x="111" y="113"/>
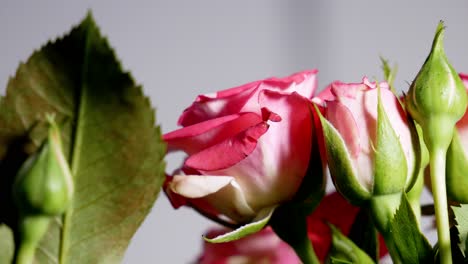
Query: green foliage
<point x="409" y="243"/>
<point x="457" y="166"/>
<point x="340" y="165"/>
<point x="343" y="250"/>
<point x="389" y="72"/>
<point x="245" y="230"/>
<point x="113" y="148"/>
<point x="461" y="217"/>
<point x="390" y="164"/>
<point x="364" y="234"/>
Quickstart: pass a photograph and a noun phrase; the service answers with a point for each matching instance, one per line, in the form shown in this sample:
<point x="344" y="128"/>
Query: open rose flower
<point x="248" y="148"/>
<point x="361" y="164"/>
<point x="266" y="247"/>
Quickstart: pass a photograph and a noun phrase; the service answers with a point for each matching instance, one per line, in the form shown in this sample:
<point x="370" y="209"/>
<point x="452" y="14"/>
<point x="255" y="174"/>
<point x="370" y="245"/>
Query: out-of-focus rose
<point x="457" y="158"/>
<point x="266" y="247"/>
<point x="248" y="148"/>
<point x="358" y="168"/>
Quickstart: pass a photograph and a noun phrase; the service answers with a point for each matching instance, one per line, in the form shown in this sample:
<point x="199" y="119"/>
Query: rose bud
<point x="44" y="184"/>
<point x="437" y="98"/>
<point x="457" y="159"/>
<point x="43" y="189"/>
<point x="248" y="148"/>
<point x="369" y="144"/>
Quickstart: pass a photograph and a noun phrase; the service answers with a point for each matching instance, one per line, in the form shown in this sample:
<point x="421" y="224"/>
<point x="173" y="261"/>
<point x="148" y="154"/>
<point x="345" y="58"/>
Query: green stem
<point x="31" y="230"/>
<point x="305" y="252"/>
<point x="437" y="165"/>
<point x="25" y="253"/>
<point x="383" y="208"/>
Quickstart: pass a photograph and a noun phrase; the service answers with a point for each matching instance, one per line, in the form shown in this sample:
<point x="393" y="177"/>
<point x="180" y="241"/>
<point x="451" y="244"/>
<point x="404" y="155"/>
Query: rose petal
<point x="200" y="136"/>
<point x="343" y="120"/>
<point x="206" y="108"/>
<point x="197" y="186"/>
<point x="274" y="170"/>
<point x="229" y="151"/>
<point x="212" y="195"/>
<point x="244" y="98"/>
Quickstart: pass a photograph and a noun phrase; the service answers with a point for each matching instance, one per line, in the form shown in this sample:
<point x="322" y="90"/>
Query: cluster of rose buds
<point x="249" y="147"/>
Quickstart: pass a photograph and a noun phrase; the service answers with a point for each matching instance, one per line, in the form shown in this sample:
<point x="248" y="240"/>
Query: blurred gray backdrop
<point x="179" y="49"/>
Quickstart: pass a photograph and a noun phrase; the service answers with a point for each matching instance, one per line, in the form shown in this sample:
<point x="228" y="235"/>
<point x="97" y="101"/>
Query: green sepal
<point x="389" y="73"/>
<point x="364" y="234"/>
<point x="414" y="190"/>
<point x="256" y="225"/>
<point x="456" y="171"/>
<point x="340" y="165"/>
<point x="461" y="219"/>
<point x="44" y="184"/>
<point x="404" y="239"/>
<point x="343" y="250"/>
<point x="390" y="165"/>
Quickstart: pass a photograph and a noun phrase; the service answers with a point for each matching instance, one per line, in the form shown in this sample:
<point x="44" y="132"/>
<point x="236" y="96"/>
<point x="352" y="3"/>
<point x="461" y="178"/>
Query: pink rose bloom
<point x="266" y="247"/>
<point x="248" y="148"/>
<point x="351" y="108"/>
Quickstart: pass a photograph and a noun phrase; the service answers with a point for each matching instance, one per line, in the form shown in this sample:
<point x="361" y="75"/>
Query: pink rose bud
<point x="248" y="148"/>
<point x="369" y="145"/>
<point x="457" y="158"/>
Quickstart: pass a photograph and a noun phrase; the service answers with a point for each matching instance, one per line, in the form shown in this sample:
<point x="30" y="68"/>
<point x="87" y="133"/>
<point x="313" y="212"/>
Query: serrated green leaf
<point x="461" y="217"/>
<point x="114" y="150"/>
<point x="7" y="246"/>
<point x="409" y="243"/>
<point x="245" y="230"/>
<point x="344" y="250"/>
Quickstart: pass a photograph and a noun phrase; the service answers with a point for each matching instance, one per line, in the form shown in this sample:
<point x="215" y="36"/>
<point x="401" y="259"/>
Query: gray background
<point x="178" y="49"/>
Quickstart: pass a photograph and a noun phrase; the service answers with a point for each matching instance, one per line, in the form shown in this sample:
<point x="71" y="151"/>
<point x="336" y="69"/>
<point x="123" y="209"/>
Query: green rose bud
<point x="437" y="98"/>
<point x="44" y="183"/>
<point x="43" y="189"/>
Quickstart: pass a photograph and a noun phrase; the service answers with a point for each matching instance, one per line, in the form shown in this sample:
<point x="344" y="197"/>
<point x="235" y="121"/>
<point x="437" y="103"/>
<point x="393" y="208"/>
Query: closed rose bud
<point x="43" y="189"/>
<point x="248" y="148"/>
<point x="457" y="159"/>
<point x="44" y="183"/>
<point x="370" y="148"/>
<point x="437" y="98"/>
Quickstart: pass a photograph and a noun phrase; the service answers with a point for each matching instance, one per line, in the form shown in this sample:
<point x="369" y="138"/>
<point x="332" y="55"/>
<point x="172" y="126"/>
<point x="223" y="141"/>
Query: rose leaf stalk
<point x="437" y="100"/>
